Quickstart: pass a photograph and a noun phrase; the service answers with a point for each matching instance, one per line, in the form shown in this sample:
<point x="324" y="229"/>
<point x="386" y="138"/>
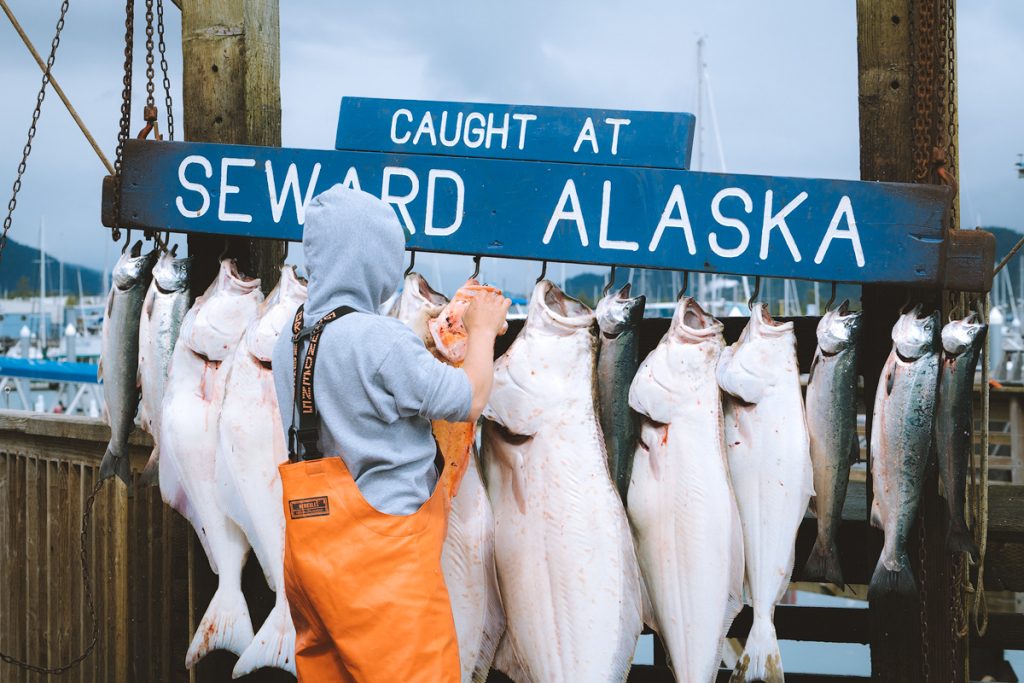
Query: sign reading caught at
<point x="615" y="215"/>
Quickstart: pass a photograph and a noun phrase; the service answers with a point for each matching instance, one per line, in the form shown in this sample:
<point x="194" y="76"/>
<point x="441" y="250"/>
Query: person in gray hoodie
<point x="374" y="391"/>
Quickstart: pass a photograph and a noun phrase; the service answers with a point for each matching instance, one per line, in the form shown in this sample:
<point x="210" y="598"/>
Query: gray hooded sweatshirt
<point x="377" y="387"/>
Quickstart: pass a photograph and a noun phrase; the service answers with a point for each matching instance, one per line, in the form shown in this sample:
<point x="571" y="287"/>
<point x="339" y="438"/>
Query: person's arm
<point x="483" y="320"/>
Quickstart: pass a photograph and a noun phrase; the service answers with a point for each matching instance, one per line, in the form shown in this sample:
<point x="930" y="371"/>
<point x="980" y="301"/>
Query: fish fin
<point x="739" y="381"/>
<point x="225" y="626"/>
<point x="507" y="661"/>
<point x="876" y="514"/>
<point x="890" y="380"/>
<point x="814" y="364"/>
<point x="823" y="564"/>
<point x="647" y="606"/>
<point x="116" y="464"/>
<point x="959" y="539"/>
<point x="273" y="646"/>
<point x="151" y="473"/>
<point x="761" y="659"/>
<point x="899" y="582"/>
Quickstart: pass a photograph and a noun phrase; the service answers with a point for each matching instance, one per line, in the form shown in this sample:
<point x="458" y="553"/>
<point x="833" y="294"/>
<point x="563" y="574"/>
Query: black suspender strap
<point x="307" y="432"/>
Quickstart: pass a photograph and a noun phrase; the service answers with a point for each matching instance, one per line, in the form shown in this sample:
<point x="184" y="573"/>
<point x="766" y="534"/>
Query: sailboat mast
<point x="42" y="285"/>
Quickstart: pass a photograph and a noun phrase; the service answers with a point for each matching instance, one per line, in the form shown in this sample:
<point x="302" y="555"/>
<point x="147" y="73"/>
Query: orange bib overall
<point x="365" y="588"/>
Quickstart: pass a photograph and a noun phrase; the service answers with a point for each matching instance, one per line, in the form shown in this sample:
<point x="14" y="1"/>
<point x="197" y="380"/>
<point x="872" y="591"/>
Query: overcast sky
<point x="783" y="76"/>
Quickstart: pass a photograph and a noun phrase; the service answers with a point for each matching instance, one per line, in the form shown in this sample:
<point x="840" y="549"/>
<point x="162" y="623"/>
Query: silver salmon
<point x="831" y="405"/>
<point x="618" y="356"/>
<point x="954" y="422"/>
<point x="901" y="438"/>
<point x="119" y="357"/>
<point x="162" y="312"/>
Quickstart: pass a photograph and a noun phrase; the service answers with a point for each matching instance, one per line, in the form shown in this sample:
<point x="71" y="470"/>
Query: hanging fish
<point x="618" y="356"/>
<point x="566" y="565"/>
<point x="467" y="559"/>
<point x="119" y="357"/>
<point x="681" y="505"/>
<point x="189" y="429"/>
<point x="770" y="462"/>
<point x="162" y="312"/>
<point x="901" y="438"/>
<point x="954" y="422"/>
<point x="831" y="404"/>
<point x="250" y="447"/>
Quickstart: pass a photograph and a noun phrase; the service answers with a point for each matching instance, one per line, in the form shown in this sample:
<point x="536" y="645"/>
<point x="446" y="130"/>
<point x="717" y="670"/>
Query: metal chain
<point x="126" y="113"/>
<point x="923" y="594"/>
<point x="83" y="555"/>
<point x="150" y="74"/>
<point x="168" y="102"/>
<point x="27" y="149"/>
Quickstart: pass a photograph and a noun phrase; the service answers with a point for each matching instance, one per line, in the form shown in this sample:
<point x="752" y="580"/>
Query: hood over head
<point x="354" y="246"/>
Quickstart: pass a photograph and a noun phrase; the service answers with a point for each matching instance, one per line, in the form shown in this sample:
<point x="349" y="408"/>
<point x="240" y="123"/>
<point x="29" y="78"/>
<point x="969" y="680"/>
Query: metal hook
<point x="476" y="268"/>
<point x="128" y="240"/>
<point x="686" y="284"/>
<point x="831" y="299"/>
<point x="412" y="263"/>
<point x="607" y="287"/>
<point x="224" y="251"/>
<point x="543" y="271"/>
<point x="755" y="293"/>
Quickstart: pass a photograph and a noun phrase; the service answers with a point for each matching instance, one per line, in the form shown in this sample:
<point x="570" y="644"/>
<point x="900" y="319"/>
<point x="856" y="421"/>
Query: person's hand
<point x="486" y="313"/>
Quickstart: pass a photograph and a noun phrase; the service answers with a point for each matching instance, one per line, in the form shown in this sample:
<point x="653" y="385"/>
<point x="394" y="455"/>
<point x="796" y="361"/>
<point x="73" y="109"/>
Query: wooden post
<point x="916" y="641"/>
<point x="232" y="94"/>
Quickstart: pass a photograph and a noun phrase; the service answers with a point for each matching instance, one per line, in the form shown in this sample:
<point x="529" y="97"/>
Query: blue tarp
<point x="48" y="370"/>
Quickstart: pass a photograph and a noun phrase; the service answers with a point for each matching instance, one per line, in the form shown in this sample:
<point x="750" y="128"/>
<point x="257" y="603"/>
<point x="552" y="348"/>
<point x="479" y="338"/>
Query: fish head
<point x="617" y="312"/>
<point x="839" y="329"/>
<point x="418" y="303"/>
<point x="764" y="354"/>
<point x="915" y="335"/>
<point x="960" y="335"/>
<point x="691" y="324"/>
<point x="554" y="312"/>
<point x="218" y="319"/>
<point x="274" y="314"/>
<point x="133" y="267"/>
<point x="447" y="329"/>
<point x="171" y="274"/>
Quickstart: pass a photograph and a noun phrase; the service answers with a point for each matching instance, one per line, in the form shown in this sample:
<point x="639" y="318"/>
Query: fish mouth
<point x="560" y="307"/>
<point x="422" y="290"/>
<point x="691" y="323"/>
<point x="960" y="335"/>
<point x="232" y="278"/>
<point x="171" y="274"/>
<point x="763" y="324"/>
<point x="133" y="266"/>
<point x="618" y="312"/>
<point x="914" y="334"/>
<point x="838" y="329"/>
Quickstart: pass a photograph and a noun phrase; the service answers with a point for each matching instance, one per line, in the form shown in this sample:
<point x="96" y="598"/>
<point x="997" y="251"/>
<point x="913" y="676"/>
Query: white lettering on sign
<point x="523" y="119"/>
<point x="400" y="201"/>
<point x="573" y="214"/>
<point x="351" y="180"/>
<point x="586" y="134"/>
<point x="198" y="188"/>
<point x="227" y="188"/>
<point x="740" y="226"/>
<point x="394" y="126"/>
<point x="460" y="196"/>
<point x="676" y="203"/>
<point x="845" y="208"/>
<point x="615" y="123"/>
<point x="454" y="140"/>
<point x="603" y="241"/>
<point x="778" y="220"/>
<point x="291" y="184"/>
<point x="426" y="126"/>
<point x="478" y="133"/>
<point x="492" y="130"/>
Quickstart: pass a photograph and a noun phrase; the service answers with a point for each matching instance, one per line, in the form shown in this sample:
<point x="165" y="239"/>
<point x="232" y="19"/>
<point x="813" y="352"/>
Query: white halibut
<point x="567" y="569"/>
<point x="770" y="462"/>
<point x="468" y="556"/>
<point x="681" y="505"/>
<point x="189" y="432"/>
<point x="251" y="446"/>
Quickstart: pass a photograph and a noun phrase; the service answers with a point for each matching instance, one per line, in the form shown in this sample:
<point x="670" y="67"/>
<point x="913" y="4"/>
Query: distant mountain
<point x="19" y="274"/>
<point x="660" y="284"/>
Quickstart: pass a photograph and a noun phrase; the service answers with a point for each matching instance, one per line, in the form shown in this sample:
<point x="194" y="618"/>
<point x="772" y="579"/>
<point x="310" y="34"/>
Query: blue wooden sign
<point x="827" y="230"/>
<point x="503" y="131"/>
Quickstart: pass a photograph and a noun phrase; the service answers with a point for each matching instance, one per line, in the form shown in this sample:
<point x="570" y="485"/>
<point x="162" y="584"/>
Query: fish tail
<point x="898" y="582"/>
<point x="273" y="646"/>
<point x="151" y="473"/>
<point x="115" y="464"/>
<point x="225" y="626"/>
<point x="823" y="563"/>
<point x="959" y="539"/>
<point x="761" y="659"/>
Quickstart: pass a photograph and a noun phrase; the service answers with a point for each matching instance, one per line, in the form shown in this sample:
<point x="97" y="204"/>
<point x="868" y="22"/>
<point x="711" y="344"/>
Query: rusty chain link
<point x="923" y="593"/>
<point x="150" y="73"/>
<point x="126" y="113"/>
<point x="168" y="102"/>
<point x="27" y="149"/>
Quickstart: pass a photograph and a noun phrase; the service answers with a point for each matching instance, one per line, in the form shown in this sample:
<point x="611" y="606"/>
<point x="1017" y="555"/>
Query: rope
<point x="57" y="89"/>
<point x="980" y="607"/>
<point x="1006" y="259"/>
